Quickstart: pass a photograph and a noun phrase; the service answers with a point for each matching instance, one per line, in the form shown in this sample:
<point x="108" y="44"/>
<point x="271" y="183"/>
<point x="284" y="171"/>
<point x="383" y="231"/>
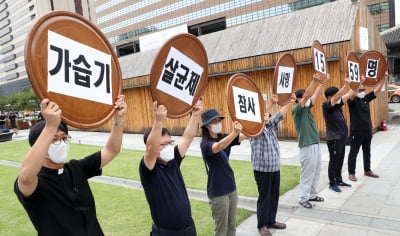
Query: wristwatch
<point x="118" y="123"/>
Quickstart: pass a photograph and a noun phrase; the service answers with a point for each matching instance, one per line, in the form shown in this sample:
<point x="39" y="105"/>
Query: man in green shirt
<point x="307" y="132"/>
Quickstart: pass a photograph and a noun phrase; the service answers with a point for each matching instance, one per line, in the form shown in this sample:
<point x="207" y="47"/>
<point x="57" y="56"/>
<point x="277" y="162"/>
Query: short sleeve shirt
<point x="306" y="128"/>
<point x="166" y="193"/>
<point x="63" y="204"/>
<point x="265" y="153"/>
<point x="221" y="179"/>
<point x="336" y="127"/>
<point x="360" y="118"/>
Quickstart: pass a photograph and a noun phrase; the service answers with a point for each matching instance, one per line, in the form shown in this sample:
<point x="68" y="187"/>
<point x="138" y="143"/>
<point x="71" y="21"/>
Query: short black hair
<point x="37" y="129"/>
<point x="331" y="91"/>
<point x="146" y="134"/>
<point x="299" y="93"/>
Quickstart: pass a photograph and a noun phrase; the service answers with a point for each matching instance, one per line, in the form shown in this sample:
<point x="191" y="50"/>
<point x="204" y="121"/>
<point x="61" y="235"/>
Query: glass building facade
<point x="124" y="22"/>
<point x="16" y="20"/>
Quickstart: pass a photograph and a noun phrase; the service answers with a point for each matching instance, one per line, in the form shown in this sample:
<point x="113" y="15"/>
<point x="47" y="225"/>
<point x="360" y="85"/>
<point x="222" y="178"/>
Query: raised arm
<point x="34" y="159"/>
<point x="223" y="143"/>
<point x="352" y="93"/>
<point x="340" y="94"/>
<point x="284" y="109"/>
<point x="114" y="142"/>
<point x="309" y="91"/>
<point x="318" y="90"/>
<point x="191" y="128"/>
<point x="271" y="102"/>
<point x="378" y="88"/>
<point x="154" y="139"/>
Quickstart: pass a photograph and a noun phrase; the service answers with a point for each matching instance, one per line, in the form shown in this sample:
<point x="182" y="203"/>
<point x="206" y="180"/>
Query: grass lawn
<point x="120" y="210"/>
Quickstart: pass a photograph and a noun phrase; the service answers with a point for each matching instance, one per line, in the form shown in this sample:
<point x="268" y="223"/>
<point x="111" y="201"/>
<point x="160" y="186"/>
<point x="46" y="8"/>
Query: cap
<point x="209" y="115"/>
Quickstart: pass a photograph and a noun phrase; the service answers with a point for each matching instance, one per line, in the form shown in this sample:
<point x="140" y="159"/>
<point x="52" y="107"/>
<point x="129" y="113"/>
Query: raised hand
<point x="160" y="112"/>
<point x="51" y="112"/>
<point x="198" y="107"/>
<point x="237" y="127"/>
<point x="120" y="107"/>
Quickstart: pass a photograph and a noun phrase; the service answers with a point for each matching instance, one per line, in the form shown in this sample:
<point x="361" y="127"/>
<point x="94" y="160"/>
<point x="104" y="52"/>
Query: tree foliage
<point x="24" y="100"/>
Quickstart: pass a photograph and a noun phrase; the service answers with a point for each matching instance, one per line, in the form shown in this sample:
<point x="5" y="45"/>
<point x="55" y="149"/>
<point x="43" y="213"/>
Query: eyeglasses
<point x="57" y="140"/>
<point x="171" y="143"/>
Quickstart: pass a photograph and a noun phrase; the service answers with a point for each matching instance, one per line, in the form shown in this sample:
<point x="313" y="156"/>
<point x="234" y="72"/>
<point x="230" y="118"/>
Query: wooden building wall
<point x="261" y="69"/>
<point x="139" y="99"/>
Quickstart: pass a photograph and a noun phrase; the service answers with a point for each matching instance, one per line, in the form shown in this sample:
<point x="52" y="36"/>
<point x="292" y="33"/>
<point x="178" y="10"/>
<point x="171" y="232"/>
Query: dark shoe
<point x="277" y="225"/>
<point x="306" y="204"/>
<point x="343" y="184"/>
<point x="352" y="177"/>
<point x="371" y="174"/>
<point x="317" y="199"/>
<point x="335" y="188"/>
<point x="264" y="231"/>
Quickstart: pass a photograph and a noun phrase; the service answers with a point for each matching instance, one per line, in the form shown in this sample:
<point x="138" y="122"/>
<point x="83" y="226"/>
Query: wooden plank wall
<point x="261" y="69"/>
<point x="140" y="117"/>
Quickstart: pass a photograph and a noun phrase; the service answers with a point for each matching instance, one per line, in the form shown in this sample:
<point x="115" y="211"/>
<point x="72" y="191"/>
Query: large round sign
<point x="70" y="61"/>
<point x="353" y="70"/>
<point x="373" y="66"/>
<point x="319" y="59"/>
<point x="245" y="104"/>
<point x="179" y="74"/>
<point x="285" y="76"/>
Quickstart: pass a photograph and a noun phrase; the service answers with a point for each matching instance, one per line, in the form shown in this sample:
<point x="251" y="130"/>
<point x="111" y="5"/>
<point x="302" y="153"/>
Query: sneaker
<point x="343" y="184"/>
<point x="335" y="188"/>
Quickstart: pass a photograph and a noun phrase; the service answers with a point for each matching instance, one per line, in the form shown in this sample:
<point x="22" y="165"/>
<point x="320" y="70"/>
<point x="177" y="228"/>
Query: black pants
<point x="337" y="149"/>
<point x="268" y="197"/>
<point x="188" y="231"/>
<point x="360" y="138"/>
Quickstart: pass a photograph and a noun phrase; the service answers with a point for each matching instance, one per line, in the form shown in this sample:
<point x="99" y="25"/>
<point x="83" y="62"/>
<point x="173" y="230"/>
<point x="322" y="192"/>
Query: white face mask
<point x="216" y="128"/>
<point x="58" y="153"/>
<point x="167" y="153"/>
<point x="361" y="95"/>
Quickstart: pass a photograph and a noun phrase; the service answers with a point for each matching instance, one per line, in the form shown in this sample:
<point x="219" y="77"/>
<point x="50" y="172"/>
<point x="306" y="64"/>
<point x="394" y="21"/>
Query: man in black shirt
<point x="361" y="129"/>
<point x="161" y="176"/>
<point x="55" y="192"/>
<point x="336" y="132"/>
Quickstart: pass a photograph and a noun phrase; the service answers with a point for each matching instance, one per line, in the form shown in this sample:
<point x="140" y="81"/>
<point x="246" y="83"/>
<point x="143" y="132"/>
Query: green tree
<point x="24" y="100"/>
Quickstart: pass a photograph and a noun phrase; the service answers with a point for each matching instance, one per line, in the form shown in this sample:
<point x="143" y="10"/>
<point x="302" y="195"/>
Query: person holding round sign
<point x="265" y="159"/>
<point x="221" y="187"/>
<point x="336" y="132"/>
<point x="361" y="129"/>
<point x="161" y="177"/>
<point x="307" y="132"/>
<point x="55" y="193"/>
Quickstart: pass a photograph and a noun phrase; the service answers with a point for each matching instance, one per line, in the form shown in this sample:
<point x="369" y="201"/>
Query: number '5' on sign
<point x="319" y="58"/>
<point x="354" y="72"/>
<point x="285" y="79"/>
